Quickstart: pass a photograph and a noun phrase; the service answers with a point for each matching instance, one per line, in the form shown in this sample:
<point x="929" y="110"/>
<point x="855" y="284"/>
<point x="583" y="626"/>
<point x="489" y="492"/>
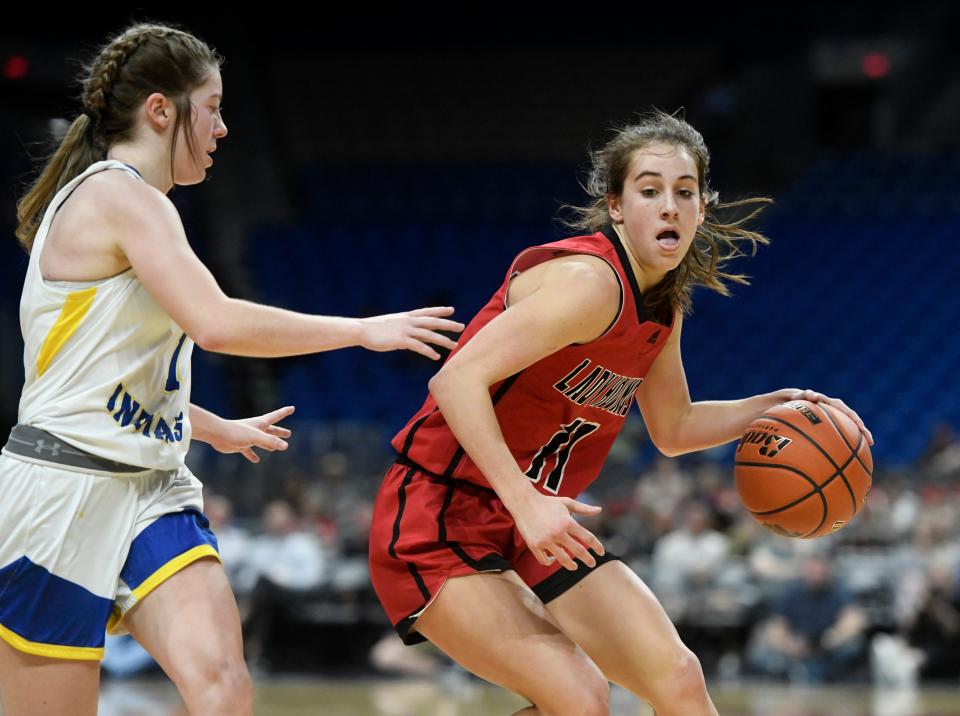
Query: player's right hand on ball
<point x="547" y="526"/>
<point x="412" y="330"/>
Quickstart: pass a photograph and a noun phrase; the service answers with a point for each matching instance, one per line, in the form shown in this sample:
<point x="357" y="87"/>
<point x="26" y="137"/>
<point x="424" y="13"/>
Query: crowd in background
<point x="880" y="599"/>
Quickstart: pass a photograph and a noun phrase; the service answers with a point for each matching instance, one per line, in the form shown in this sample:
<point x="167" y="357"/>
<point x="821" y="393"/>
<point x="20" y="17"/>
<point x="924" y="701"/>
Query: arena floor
<point x="296" y="696"/>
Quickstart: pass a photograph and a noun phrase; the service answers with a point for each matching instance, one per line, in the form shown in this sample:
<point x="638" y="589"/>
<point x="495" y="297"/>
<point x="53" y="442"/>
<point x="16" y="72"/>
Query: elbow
<point x="208" y="339"/>
<point x="667" y="450"/>
<point x="456" y="384"/>
<point x="666" y="444"/>
<point x="208" y="335"/>
<point x="211" y="330"/>
<point x="452" y="382"/>
<point x="439" y="385"/>
<point x="671" y="435"/>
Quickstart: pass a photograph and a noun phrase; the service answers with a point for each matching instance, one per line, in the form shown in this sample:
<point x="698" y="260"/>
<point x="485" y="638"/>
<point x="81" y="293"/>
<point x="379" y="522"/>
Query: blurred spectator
<point x="816" y="632"/>
<point x="942" y="454"/>
<point x="692" y="555"/>
<point x="775" y="561"/>
<point x="687" y="563"/>
<point x="935" y="628"/>
<point x="233" y="542"/>
<point x="285" y="554"/>
<point x="285" y="562"/>
<point x="662" y="489"/>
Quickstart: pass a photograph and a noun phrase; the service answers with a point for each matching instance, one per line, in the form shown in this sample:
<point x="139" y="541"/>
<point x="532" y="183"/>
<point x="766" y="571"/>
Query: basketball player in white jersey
<point x="100" y="520"/>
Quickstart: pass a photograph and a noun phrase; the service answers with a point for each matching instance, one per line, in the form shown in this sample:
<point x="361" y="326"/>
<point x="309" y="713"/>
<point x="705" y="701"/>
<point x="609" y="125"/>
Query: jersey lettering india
<point x="107" y="369"/>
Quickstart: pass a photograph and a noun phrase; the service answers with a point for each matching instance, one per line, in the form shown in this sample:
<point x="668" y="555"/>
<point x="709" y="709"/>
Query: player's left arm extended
<point x="228" y="436"/>
<point x="678" y="426"/>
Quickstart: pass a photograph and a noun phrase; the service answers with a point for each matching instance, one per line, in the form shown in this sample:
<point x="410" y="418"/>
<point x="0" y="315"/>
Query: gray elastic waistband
<point x="38" y="444"/>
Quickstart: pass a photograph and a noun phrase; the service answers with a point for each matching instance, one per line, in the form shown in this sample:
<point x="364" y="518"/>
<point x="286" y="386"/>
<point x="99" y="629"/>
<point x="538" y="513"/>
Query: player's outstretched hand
<point x="815" y="397"/>
<point x="547" y="526"/>
<point x="412" y="330"/>
<point x="261" y="431"/>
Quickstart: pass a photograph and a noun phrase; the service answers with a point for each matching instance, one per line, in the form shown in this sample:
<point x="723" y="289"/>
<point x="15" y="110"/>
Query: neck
<point x="153" y="166"/>
<point x="644" y="279"/>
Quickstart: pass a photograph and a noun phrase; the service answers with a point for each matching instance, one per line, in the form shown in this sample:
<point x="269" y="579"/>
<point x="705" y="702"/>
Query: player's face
<point x="659" y="209"/>
<point x="207" y="127"/>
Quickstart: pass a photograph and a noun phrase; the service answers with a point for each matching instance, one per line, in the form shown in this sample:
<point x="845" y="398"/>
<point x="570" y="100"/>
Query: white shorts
<point x="79" y="550"/>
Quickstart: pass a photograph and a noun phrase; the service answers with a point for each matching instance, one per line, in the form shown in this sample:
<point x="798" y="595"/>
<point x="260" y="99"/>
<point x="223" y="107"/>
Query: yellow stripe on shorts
<point x="72" y="313"/>
<point x="172" y="567"/>
<point x="161" y="575"/>
<point x="56" y="651"/>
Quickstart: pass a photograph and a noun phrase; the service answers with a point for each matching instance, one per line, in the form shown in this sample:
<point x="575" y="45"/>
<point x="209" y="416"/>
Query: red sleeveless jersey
<point x="561" y="415"/>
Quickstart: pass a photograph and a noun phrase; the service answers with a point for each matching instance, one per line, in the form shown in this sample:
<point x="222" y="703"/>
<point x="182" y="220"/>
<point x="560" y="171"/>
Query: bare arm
<point x="204" y="424"/>
<point x="151" y="237"/>
<point x="677" y="425"/>
<point x="568" y="300"/>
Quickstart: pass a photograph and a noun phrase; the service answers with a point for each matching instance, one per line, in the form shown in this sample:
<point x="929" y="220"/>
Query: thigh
<point x="189" y="623"/>
<point x="618" y="621"/>
<point x="496" y="627"/>
<point x="170" y="532"/>
<point x="425" y="531"/>
<point x="32" y="685"/>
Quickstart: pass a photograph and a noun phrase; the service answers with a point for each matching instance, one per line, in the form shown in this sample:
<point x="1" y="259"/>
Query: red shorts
<point x="428" y="528"/>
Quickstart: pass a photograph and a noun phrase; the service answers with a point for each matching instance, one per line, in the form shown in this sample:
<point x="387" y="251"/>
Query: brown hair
<point x="717" y="240"/>
<point x="143" y="59"/>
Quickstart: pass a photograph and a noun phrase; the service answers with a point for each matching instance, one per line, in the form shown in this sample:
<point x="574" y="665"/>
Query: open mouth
<point x="668" y="239"/>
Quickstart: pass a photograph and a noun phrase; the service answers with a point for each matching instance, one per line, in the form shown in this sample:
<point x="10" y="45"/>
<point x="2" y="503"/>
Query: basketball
<point x="803" y="469"/>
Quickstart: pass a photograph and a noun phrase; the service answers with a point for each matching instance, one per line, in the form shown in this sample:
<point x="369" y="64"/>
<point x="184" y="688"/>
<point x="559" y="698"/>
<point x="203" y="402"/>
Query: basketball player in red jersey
<point x="474" y="545"/>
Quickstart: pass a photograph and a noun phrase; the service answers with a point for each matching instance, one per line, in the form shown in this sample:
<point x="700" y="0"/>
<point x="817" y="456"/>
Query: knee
<point x="683" y="681"/>
<point x="587" y="695"/>
<point x="237" y="688"/>
<point x="596" y="699"/>
<point x="219" y="687"/>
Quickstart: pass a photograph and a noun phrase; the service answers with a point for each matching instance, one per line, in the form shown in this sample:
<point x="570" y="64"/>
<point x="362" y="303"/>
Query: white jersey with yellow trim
<point x="107" y="369"/>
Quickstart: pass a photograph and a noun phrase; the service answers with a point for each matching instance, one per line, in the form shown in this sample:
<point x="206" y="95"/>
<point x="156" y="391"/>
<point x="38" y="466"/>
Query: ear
<point x="613" y="207"/>
<point x="703" y="209"/>
<point x="160" y="111"/>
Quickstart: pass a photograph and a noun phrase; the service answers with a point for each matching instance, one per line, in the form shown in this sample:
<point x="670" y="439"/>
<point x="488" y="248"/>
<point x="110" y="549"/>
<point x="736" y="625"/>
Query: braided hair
<point x="143" y="59"/>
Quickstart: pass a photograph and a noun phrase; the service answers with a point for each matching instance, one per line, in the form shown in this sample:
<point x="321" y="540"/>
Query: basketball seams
<point x="853" y="496"/>
<point x="817" y="490"/>
<point x="846" y="442"/>
<point x="827" y="410"/>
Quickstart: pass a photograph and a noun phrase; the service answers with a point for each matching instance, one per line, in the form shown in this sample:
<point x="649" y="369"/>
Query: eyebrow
<point x="641" y="175"/>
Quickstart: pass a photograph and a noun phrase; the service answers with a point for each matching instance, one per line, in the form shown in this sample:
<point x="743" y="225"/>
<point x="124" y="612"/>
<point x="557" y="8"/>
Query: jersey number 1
<point x="173" y="382"/>
<point x="560" y="445"/>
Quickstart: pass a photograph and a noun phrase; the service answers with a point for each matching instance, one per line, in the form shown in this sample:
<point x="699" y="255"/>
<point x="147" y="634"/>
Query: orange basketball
<point x="803" y="469"/>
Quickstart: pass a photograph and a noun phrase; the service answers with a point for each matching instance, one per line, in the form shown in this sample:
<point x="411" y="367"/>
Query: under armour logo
<point x="41" y="445"/>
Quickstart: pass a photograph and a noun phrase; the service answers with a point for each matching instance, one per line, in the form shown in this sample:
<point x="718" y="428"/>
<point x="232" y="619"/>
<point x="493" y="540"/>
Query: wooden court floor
<point x="296" y="696"/>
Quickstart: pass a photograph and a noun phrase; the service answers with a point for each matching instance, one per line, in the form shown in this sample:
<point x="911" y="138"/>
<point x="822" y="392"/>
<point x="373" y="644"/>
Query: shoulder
<point x="574" y="298"/>
<point x="124" y="199"/>
<point x="580" y="277"/>
<point x="587" y="270"/>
